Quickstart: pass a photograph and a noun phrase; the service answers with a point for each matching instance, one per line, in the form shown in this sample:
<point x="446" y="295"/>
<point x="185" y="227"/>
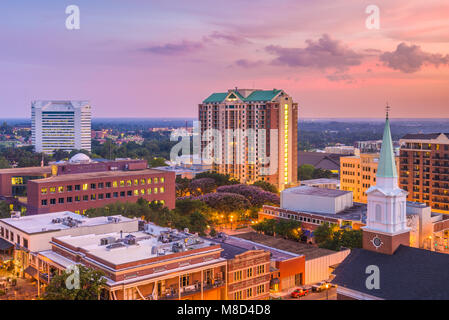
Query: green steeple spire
<point x="387" y="162"/>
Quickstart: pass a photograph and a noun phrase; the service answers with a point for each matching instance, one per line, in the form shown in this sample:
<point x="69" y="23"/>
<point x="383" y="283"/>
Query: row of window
<point x="295" y="217"/>
<point x="101" y="185"/>
<point x="9" y="235"/>
<point x="238" y="275"/>
<point x="250" y="292"/>
<point x="102" y="196"/>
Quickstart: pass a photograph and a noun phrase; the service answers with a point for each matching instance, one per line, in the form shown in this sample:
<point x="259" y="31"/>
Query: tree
<point x="157" y="162"/>
<point x="186" y="207"/>
<point x="266" y="186"/>
<point x="5" y="211"/>
<point x="59" y="155"/>
<point x="220" y="179"/>
<point x="200" y="186"/>
<point x="4" y="163"/>
<point x="323" y="233"/>
<point x="91" y="282"/>
<point x="305" y="172"/>
<point x="255" y="195"/>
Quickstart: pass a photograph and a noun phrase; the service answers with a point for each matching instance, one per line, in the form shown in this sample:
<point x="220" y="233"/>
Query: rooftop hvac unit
<point x="15" y="214"/>
<point x="130" y="239"/>
<point x="154" y="250"/>
<point x="106" y="241"/>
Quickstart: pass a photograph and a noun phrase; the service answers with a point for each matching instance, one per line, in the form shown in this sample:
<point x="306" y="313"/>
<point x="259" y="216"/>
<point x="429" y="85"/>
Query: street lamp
<point x="327" y="286"/>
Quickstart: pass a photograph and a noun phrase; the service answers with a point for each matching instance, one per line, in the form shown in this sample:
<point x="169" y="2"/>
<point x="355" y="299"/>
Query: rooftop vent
<point x="15" y="214"/>
<point x="106" y="241"/>
<point x="115" y="245"/>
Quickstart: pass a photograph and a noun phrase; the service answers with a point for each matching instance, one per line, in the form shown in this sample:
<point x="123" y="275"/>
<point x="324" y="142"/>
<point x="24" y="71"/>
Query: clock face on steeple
<point x="377" y="242"/>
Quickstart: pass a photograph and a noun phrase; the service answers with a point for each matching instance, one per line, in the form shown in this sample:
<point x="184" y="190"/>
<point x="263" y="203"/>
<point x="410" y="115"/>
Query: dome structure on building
<point x="80" y="158"/>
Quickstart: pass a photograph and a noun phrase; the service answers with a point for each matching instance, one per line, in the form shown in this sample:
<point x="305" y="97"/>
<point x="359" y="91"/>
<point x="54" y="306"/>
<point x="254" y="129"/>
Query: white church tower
<point x="386" y="225"/>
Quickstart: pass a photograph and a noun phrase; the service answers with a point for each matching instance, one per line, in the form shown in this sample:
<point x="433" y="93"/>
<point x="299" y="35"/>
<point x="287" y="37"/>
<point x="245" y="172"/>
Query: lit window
<point x="60" y="189"/>
<point x="149" y="180"/>
<point x="44" y="191"/>
<point x="136" y="192"/>
<point x="115" y="184"/>
<point x="162" y="180"/>
<point x="85" y="186"/>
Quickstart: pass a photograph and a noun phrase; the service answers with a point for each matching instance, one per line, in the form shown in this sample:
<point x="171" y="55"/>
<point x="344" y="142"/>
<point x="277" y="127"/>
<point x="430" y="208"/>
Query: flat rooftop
<point x="148" y="244"/>
<point x="321" y="181"/>
<point x="27" y="170"/>
<point x="58" y="221"/>
<point x="234" y="245"/>
<point x="97" y="175"/>
<point x="309" y="251"/>
<point x="313" y="191"/>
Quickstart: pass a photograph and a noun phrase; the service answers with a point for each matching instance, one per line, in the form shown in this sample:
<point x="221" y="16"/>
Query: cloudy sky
<point x="143" y="58"/>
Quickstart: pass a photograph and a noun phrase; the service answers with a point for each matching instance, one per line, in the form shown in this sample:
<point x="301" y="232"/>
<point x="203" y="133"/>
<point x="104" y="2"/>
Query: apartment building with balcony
<point x="233" y="114"/>
<point x="424" y="169"/>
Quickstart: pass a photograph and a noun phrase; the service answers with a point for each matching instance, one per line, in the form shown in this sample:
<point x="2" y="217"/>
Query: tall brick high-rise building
<point x="242" y="155"/>
<point x="424" y="169"/>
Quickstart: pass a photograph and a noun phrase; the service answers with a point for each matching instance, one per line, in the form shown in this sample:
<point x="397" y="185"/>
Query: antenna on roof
<point x="387" y="109"/>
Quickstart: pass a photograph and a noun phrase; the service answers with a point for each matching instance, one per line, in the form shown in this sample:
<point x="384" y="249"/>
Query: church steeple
<point x="386" y="221"/>
<point x="387" y="164"/>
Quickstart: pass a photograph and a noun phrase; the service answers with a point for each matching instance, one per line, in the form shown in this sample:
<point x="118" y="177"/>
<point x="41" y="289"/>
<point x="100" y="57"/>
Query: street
<point x="330" y="294"/>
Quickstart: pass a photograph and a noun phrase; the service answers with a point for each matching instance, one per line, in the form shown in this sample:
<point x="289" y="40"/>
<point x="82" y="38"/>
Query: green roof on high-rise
<point x="257" y="95"/>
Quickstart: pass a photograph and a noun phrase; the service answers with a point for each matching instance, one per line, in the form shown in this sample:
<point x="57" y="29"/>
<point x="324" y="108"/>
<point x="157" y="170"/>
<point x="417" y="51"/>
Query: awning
<point x="5" y="245"/>
<point x="30" y="271"/>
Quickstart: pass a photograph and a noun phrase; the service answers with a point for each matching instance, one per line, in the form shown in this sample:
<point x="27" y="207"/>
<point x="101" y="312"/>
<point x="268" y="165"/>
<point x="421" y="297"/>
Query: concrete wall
<point x="318" y="269"/>
<point x="317" y="204"/>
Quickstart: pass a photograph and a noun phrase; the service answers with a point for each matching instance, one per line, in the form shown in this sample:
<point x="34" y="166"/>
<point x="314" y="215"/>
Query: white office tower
<point x="60" y="125"/>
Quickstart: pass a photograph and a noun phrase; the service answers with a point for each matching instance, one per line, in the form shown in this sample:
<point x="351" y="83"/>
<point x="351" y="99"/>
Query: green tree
<point x="4" y="163"/>
<point x="305" y="172"/>
<point x="266" y="186"/>
<point x="323" y="233"/>
<point x="91" y="282"/>
<point x="157" y="162"/>
<point x="5" y="211"/>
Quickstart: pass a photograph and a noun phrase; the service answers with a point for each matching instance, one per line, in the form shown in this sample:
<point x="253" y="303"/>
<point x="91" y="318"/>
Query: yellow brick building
<point x="358" y="173"/>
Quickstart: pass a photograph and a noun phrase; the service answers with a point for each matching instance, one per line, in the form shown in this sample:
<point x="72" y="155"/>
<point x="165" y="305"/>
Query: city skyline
<point x="321" y="52"/>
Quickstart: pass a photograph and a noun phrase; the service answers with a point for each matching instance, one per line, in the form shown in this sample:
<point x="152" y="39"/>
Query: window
<point x="100" y="196"/>
<point x="260" y="289"/>
<point x="122" y="183"/>
<point x="185" y="280"/>
<point x="60" y="189"/>
<point x="249" y="292"/>
<point x="260" y="269"/>
<point x="44" y="202"/>
<point x="155" y="180"/>
<point x="129" y="193"/>
<point x="249" y="273"/>
<point x="142" y="192"/>
<point x="93" y="186"/>
<point x="128" y="183"/>
<point x="115" y="194"/>
<point x="122" y="193"/>
<point x="149" y="180"/>
<point x="108" y="196"/>
<point x="136" y="192"/>
<point x="142" y="181"/>
<point x="77" y="187"/>
<point x="61" y="200"/>
<point x="77" y="199"/>
<point x="108" y="184"/>
<point x="238" y="275"/>
<point x="18" y="239"/>
<point x="44" y="191"/>
<point x="52" y="201"/>
<point x="155" y="190"/>
<point x="69" y="188"/>
<point x="25" y="243"/>
<point x="93" y="197"/>
<point x="101" y="185"/>
<point x="85" y="186"/>
<point x="12" y="236"/>
<point x="162" y="180"/>
<point x="162" y="189"/>
<point x="149" y="191"/>
<point x="52" y="190"/>
<point x="69" y="199"/>
<point x="238" y="295"/>
<point x="378" y="213"/>
<point x="86" y="198"/>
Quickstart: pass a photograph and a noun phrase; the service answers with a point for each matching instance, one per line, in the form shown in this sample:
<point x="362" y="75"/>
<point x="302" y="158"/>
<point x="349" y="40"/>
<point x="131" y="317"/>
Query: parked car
<point x="321" y="286"/>
<point x="299" y="293"/>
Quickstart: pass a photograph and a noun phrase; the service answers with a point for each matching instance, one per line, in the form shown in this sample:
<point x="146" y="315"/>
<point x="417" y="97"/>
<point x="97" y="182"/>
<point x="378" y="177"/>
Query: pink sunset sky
<point x="162" y="58"/>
